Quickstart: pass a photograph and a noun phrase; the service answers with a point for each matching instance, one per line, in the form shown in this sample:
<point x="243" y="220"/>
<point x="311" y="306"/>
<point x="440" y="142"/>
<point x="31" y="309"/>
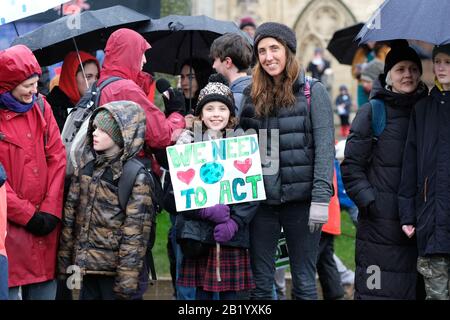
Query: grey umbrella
<point x="425" y="20"/>
<point x="88" y="31"/>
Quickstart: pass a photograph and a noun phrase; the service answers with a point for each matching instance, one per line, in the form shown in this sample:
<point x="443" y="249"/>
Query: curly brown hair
<point x="268" y="95"/>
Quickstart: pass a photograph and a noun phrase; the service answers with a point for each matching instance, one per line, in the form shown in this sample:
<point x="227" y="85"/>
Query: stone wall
<point x="314" y="21"/>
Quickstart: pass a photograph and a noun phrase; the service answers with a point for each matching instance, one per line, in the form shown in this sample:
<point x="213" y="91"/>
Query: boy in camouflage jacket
<point x="107" y="243"/>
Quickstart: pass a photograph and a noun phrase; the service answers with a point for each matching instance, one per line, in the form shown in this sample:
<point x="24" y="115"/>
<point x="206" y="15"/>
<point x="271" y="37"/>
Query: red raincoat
<point x="35" y="176"/>
<point x="123" y="55"/>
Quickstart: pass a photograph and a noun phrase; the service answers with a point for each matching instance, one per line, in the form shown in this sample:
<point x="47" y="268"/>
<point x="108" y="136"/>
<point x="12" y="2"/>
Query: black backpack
<point x="75" y="128"/>
<point x="125" y="183"/>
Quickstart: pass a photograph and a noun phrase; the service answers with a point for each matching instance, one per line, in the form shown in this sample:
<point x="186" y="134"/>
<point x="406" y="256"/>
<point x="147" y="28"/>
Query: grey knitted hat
<point x="278" y="31"/>
<point x="372" y="70"/>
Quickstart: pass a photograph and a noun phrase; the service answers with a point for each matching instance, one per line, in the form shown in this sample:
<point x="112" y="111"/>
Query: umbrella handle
<point x="81" y="63"/>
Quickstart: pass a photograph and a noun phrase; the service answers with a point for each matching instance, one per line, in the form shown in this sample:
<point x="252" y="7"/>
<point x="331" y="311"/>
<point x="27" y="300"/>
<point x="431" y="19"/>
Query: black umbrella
<point x="88" y="31"/>
<point x="343" y="45"/>
<point x="413" y="19"/>
<point x="175" y="39"/>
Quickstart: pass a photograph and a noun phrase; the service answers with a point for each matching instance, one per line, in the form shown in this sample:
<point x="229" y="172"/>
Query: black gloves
<point x="175" y="103"/>
<point x="42" y="223"/>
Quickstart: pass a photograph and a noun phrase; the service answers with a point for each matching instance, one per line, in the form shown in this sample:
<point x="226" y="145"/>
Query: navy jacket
<point x="424" y="195"/>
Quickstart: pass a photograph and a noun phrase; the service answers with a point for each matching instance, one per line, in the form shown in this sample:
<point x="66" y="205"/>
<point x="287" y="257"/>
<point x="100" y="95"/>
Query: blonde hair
<point x="268" y="95"/>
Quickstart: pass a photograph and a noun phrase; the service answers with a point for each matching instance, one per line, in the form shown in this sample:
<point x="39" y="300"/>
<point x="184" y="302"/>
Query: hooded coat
<point x="66" y="94"/>
<point x="98" y="236"/>
<point x="35" y="171"/>
<point x="425" y="191"/>
<point x="123" y="56"/>
<point x="2" y="211"/>
<point x="371" y="173"/>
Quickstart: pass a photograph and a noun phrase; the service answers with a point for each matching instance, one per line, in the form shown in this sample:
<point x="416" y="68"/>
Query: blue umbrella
<point x="425" y="20"/>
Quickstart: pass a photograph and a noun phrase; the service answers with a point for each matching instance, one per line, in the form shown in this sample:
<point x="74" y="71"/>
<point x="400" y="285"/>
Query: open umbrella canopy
<point x="89" y="30"/>
<point x="343" y="45"/>
<point x="425" y="20"/>
<point x="175" y="39"/>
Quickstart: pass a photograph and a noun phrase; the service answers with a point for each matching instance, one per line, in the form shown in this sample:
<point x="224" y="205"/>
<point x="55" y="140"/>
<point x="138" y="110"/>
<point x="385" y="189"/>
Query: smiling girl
<point x="210" y="270"/>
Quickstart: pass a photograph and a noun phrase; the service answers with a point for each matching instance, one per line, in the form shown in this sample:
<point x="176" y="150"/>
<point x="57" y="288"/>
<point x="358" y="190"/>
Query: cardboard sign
<point x="217" y="171"/>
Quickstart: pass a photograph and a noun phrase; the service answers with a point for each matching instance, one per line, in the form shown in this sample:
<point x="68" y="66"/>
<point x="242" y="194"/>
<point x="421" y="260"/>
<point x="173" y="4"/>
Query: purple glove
<point x="218" y="214"/>
<point x="224" y="232"/>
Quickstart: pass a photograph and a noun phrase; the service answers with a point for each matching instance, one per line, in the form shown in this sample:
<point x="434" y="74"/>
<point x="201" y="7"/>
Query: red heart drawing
<point x="243" y="166"/>
<point x="186" y="176"/>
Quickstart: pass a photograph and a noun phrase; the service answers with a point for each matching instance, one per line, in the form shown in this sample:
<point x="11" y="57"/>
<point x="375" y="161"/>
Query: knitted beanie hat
<point x="401" y="52"/>
<point x="247" y="21"/>
<point x="216" y="90"/>
<point x="445" y="48"/>
<point x="106" y="122"/>
<point x="372" y="70"/>
<point x="278" y="31"/>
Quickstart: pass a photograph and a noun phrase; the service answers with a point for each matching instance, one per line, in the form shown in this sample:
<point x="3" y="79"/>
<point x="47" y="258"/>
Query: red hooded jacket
<point x="35" y="172"/>
<point x="123" y="56"/>
<point x="67" y="81"/>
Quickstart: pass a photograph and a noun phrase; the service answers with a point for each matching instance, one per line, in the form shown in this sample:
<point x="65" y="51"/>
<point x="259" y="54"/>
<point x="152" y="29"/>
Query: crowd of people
<point x="96" y="221"/>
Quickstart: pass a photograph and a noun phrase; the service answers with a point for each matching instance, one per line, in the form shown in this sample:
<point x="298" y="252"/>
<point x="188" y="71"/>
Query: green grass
<point x="344" y="245"/>
<point x="160" y="248"/>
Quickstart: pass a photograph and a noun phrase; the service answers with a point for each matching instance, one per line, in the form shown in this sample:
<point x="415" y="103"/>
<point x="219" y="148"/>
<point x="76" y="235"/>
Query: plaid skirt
<point x="234" y="272"/>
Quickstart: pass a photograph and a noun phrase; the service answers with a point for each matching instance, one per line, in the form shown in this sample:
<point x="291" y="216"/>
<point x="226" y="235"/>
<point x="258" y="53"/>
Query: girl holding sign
<point x="211" y="268"/>
<point x="297" y="114"/>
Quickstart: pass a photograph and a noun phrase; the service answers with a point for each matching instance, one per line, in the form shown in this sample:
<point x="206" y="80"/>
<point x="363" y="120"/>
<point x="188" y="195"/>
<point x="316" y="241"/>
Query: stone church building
<point x="314" y="22"/>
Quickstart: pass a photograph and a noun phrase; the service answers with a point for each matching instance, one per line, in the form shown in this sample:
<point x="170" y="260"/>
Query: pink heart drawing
<point x="186" y="176"/>
<point x="243" y="166"/>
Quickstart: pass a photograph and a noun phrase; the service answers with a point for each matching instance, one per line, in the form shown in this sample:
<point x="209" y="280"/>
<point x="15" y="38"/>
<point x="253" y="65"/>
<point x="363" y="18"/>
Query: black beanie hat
<point x="216" y="90"/>
<point x="445" y="48"/>
<point x="278" y="31"/>
<point x="401" y="52"/>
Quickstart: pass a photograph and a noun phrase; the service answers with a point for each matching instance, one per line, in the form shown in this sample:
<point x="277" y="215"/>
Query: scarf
<point x="12" y="104"/>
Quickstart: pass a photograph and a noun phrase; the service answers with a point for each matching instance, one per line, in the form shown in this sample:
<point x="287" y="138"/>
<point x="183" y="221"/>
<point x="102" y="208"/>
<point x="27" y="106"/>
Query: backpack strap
<point x="378" y="117"/>
<point x="131" y="168"/>
<point x="98" y="90"/>
<point x="130" y="171"/>
<point x="41" y="105"/>
<point x="307" y="88"/>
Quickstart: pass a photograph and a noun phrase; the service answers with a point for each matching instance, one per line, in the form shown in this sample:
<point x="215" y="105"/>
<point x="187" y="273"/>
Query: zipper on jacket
<point x="425" y="189"/>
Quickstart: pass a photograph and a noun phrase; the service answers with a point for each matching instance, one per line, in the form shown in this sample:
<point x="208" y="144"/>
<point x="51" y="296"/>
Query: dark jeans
<point x="35" y="291"/>
<point x="207" y="295"/>
<point x="3" y="278"/>
<point x="96" y="287"/>
<point x="302" y="245"/>
<point x="329" y="277"/>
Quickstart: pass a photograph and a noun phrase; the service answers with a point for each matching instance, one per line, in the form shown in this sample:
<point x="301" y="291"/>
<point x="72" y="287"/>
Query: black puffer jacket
<point x="292" y="173"/>
<point x="371" y="173"/>
<point x="425" y="189"/>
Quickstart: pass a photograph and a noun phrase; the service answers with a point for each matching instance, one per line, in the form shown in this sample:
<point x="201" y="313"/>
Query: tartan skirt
<point x="234" y="273"/>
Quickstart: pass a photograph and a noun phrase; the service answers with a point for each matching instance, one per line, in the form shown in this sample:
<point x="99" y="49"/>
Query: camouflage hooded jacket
<point x="97" y="235"/>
